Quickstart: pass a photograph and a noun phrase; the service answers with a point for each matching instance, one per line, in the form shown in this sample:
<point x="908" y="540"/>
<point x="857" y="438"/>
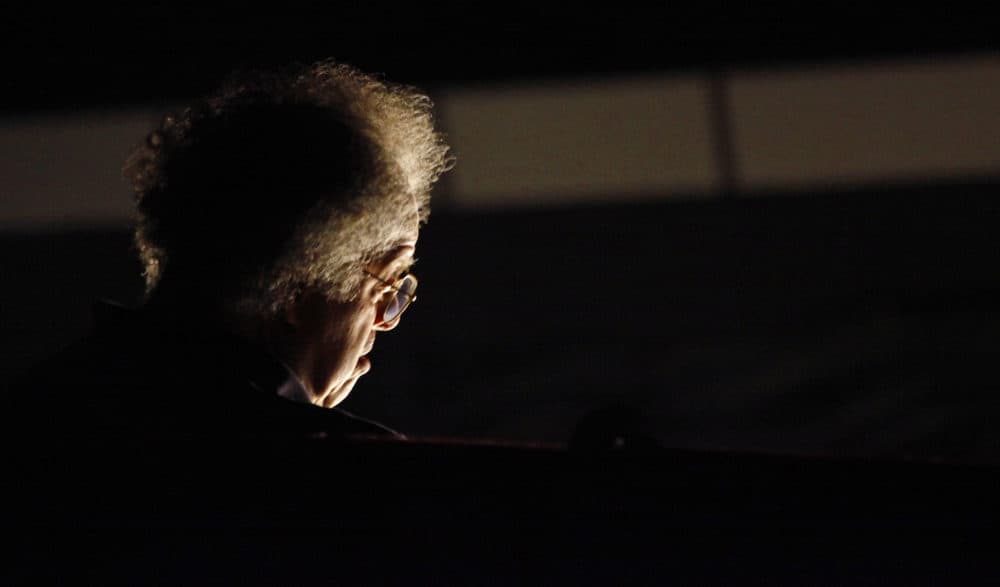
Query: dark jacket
<point x="166" y="376"/>
<point x="172" y="398"/>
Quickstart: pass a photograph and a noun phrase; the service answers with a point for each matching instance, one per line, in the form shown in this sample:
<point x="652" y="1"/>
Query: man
<point x="277" y="222"/>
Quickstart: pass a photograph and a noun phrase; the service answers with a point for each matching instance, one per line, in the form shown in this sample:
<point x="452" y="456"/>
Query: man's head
<point x="285" y="191"/>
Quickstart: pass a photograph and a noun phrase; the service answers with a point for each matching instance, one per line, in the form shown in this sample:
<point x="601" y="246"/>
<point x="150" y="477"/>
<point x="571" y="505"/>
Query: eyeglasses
<point x="393" y="306"/>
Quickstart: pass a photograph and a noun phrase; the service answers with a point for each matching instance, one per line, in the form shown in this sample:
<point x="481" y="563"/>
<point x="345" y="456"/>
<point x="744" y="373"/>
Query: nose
<point x="386" y="326"/>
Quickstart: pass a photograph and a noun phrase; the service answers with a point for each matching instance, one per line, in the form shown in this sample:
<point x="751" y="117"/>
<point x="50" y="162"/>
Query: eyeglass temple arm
<point x="412" y="297"/>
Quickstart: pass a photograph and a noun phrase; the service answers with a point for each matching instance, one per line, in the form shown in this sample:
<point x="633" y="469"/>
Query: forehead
<point x="413" y="222"/>
<point x="410" y="234"/>
<point x="398" y="259"/>
<point x="399" y="256"/>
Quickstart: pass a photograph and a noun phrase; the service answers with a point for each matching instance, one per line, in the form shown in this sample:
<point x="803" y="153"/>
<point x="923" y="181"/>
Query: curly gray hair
<point x="283" y="180"/>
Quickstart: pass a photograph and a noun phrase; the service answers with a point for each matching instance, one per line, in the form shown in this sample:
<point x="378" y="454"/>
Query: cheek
<point x="353" y="333"/>
<point x="364" y="325"/>
<point x="333" y="337"/>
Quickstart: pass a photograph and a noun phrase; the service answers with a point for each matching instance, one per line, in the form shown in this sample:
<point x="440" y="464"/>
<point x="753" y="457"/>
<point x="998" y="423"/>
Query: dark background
<point x="859" y="321"/>
<point x="143" y="53"/>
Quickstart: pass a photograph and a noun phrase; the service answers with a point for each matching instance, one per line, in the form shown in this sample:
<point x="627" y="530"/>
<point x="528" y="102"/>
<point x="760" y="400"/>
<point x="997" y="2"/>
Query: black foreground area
<point x="451" y="513"/>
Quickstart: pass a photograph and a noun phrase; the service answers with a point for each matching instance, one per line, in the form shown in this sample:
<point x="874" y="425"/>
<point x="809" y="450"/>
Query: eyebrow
<point x="399" y="266"/>
<point x="405" y="266"/>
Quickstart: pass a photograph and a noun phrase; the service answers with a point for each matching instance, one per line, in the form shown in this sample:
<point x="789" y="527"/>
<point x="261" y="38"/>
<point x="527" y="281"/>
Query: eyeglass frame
<point x="410" y="298"/>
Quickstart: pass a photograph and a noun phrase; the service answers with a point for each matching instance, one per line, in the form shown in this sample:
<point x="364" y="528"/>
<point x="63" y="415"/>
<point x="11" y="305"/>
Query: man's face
<point x="331" y="340"/>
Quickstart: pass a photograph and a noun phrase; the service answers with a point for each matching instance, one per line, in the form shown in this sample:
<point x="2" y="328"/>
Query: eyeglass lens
<point x="399" y="301"/>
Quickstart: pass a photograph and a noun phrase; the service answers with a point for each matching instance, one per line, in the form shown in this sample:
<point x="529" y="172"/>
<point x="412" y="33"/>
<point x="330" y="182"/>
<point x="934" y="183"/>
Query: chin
<point x="339" y="395"/>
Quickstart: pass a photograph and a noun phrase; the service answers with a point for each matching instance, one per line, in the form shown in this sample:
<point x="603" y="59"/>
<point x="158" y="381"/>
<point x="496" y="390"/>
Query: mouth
<point x="364" y="365"/>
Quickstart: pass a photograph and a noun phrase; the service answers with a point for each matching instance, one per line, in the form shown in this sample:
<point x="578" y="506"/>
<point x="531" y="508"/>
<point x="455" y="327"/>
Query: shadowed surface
<point x="856" y="323"/>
